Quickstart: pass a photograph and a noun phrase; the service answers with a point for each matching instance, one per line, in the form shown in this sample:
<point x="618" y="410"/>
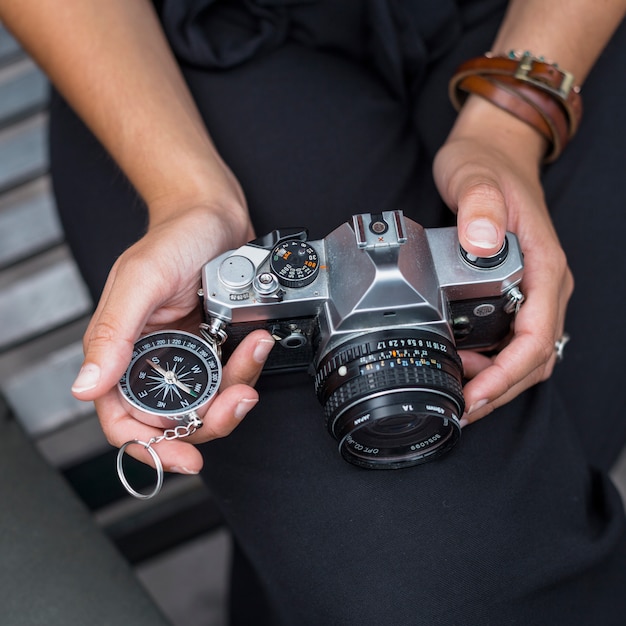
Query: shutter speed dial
<point x="295" y="263"/>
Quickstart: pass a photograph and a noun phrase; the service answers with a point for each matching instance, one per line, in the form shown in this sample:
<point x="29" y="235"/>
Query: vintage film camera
<point x="376" y="310"/>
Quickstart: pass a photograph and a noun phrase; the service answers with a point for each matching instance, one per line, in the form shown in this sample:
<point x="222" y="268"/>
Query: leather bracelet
<point x="544" y="76"/>
<point x="552" y="112"/>
<point x="533" y="107"/>
<point x="542" y="84"/>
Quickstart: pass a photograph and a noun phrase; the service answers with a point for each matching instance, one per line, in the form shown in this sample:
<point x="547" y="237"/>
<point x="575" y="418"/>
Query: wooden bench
<point x="44" y="310"/>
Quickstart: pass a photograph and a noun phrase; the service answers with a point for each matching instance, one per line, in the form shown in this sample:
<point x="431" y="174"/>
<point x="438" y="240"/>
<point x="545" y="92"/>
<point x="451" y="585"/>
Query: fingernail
<point x="88" y="377"/>
<point x="179" y="469"/>
<point x="463" y="422"/>
<point x="244" y="407"/>
<point x="262" y="350"/>
<point x="482" y="233"/>
<point x="477" y="405"/>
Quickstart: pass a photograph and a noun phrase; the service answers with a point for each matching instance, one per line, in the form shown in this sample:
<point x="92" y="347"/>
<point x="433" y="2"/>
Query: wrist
<point x="219" y="216"/>
<point x="208" y="191"/>
<point x="485" y="122"/>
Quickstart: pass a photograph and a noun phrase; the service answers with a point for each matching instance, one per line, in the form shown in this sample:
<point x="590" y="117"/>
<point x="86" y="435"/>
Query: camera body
<point x="379" y="294"/>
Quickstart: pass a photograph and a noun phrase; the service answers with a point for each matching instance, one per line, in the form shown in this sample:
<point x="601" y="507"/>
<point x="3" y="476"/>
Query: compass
<point x="172" y="374"/>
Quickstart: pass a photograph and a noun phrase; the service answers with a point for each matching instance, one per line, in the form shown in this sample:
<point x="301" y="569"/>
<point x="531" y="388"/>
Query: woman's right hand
<point x="154" y="285"/>
<point x="129" y="90"/>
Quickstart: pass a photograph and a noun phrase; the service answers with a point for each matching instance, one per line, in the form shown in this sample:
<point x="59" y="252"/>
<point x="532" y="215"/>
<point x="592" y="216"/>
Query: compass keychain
<point x="171" y="376"/>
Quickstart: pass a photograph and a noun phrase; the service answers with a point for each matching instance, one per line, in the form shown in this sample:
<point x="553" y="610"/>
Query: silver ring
<point x="157" y="463"/>
<point x="559" y="346"/>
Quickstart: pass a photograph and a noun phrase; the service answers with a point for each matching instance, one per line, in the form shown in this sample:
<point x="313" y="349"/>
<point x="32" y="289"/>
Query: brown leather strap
<point x="533" y="107"/>
<point x="545" y="76"/>
<point x="552" y="112"/>
<point x="534" y="70"/>
<point x="507" y="100"/>
<point x="536" y="92"/>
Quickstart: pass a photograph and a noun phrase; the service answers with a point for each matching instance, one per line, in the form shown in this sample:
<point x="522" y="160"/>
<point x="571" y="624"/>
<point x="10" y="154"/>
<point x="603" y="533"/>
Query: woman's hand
<point x="226" y="410"/>
<point x="154" y="285"/>
<point x="130" y="92"/>
<point x="488" y="172"/>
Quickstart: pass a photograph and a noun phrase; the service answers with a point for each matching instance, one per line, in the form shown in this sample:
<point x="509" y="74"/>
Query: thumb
<point x="108" y="343"/>
<point x="107" y="354"/>
<point x="481" y="219"/>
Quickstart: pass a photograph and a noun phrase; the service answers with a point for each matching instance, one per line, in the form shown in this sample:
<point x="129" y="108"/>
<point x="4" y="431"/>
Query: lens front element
<point x="392" y="398"/>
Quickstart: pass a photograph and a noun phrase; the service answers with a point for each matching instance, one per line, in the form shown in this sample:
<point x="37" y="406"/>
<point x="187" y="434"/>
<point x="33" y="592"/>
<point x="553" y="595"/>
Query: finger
<point x="481" y="218"/>
<point x="530" y="357"/>
<point x="480" y="409"/>
<point x="226" y="412"/>
<point x="246" y="362"/>
<point x="178" y="456"/>
<point x="474" y="363"/>
<point x="522" y="364"/>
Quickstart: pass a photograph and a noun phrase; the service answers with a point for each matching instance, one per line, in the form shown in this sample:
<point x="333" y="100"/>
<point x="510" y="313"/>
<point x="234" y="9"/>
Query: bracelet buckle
<point x="525" y="70"/>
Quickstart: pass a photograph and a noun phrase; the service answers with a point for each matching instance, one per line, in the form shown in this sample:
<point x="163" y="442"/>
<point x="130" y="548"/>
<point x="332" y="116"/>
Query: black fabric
<point x="398" y="39"/>
<point x="519" y="524"/>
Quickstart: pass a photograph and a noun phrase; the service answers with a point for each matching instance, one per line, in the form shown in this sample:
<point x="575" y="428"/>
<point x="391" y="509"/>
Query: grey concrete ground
<point x="190" y="583"/>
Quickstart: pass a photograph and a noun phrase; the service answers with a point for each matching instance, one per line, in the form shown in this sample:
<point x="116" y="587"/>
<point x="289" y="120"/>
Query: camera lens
<point x="392" y="398"/>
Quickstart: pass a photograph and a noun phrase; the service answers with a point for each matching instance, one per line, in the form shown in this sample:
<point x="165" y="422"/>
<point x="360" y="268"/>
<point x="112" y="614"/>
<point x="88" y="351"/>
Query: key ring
<point x="191" y="424"/>
<point x="157" y="463"/>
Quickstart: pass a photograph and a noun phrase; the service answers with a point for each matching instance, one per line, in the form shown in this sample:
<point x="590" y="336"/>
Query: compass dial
<point x="295" y="263"/>
<point x="171" y="374"/>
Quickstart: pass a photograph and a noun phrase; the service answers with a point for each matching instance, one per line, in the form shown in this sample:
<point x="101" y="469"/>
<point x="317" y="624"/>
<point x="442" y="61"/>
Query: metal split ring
<point x="157" y="463"/>
<point x="559" y="346"/>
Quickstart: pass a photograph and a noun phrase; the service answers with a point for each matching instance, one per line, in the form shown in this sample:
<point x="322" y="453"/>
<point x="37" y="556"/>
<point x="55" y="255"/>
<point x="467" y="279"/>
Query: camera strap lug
<point x="516" y="298"/>
<point x="215" y="334"/>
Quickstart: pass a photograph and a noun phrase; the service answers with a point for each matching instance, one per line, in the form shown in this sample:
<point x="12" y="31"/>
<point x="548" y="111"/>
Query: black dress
<point x="324" y="109"/>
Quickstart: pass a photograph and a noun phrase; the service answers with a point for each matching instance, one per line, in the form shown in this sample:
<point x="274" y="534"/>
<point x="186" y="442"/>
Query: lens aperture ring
<point x="410" y="376"/>
<point x="390" y="359"/>
<point x="395" y="367"/>
<point x="393" y="343"/>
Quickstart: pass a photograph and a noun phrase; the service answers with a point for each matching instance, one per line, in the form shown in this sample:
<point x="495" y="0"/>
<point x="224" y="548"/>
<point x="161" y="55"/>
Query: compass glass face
<point x="171" y="373"/>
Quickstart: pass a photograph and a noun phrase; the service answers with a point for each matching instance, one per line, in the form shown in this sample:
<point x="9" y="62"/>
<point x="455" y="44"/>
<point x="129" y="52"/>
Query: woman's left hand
<point x="488" y="171"/>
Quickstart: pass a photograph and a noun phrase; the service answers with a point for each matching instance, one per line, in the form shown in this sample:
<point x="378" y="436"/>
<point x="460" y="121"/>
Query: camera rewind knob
<point x="236" y="272"/>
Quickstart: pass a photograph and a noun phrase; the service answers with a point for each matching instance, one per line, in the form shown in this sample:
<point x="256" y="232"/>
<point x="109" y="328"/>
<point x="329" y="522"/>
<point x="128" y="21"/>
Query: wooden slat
<point x="49" y="364"/>
<point x="38" y="301"/>
<point x="21" y="357"/>
<point x="23" y="153"/>
<point x="9" y="48"/>
<point x="28" y="222"/>
<point x="40" y="395"/>
<point x="23" y="90"/>
<point x="79" y="439"/>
